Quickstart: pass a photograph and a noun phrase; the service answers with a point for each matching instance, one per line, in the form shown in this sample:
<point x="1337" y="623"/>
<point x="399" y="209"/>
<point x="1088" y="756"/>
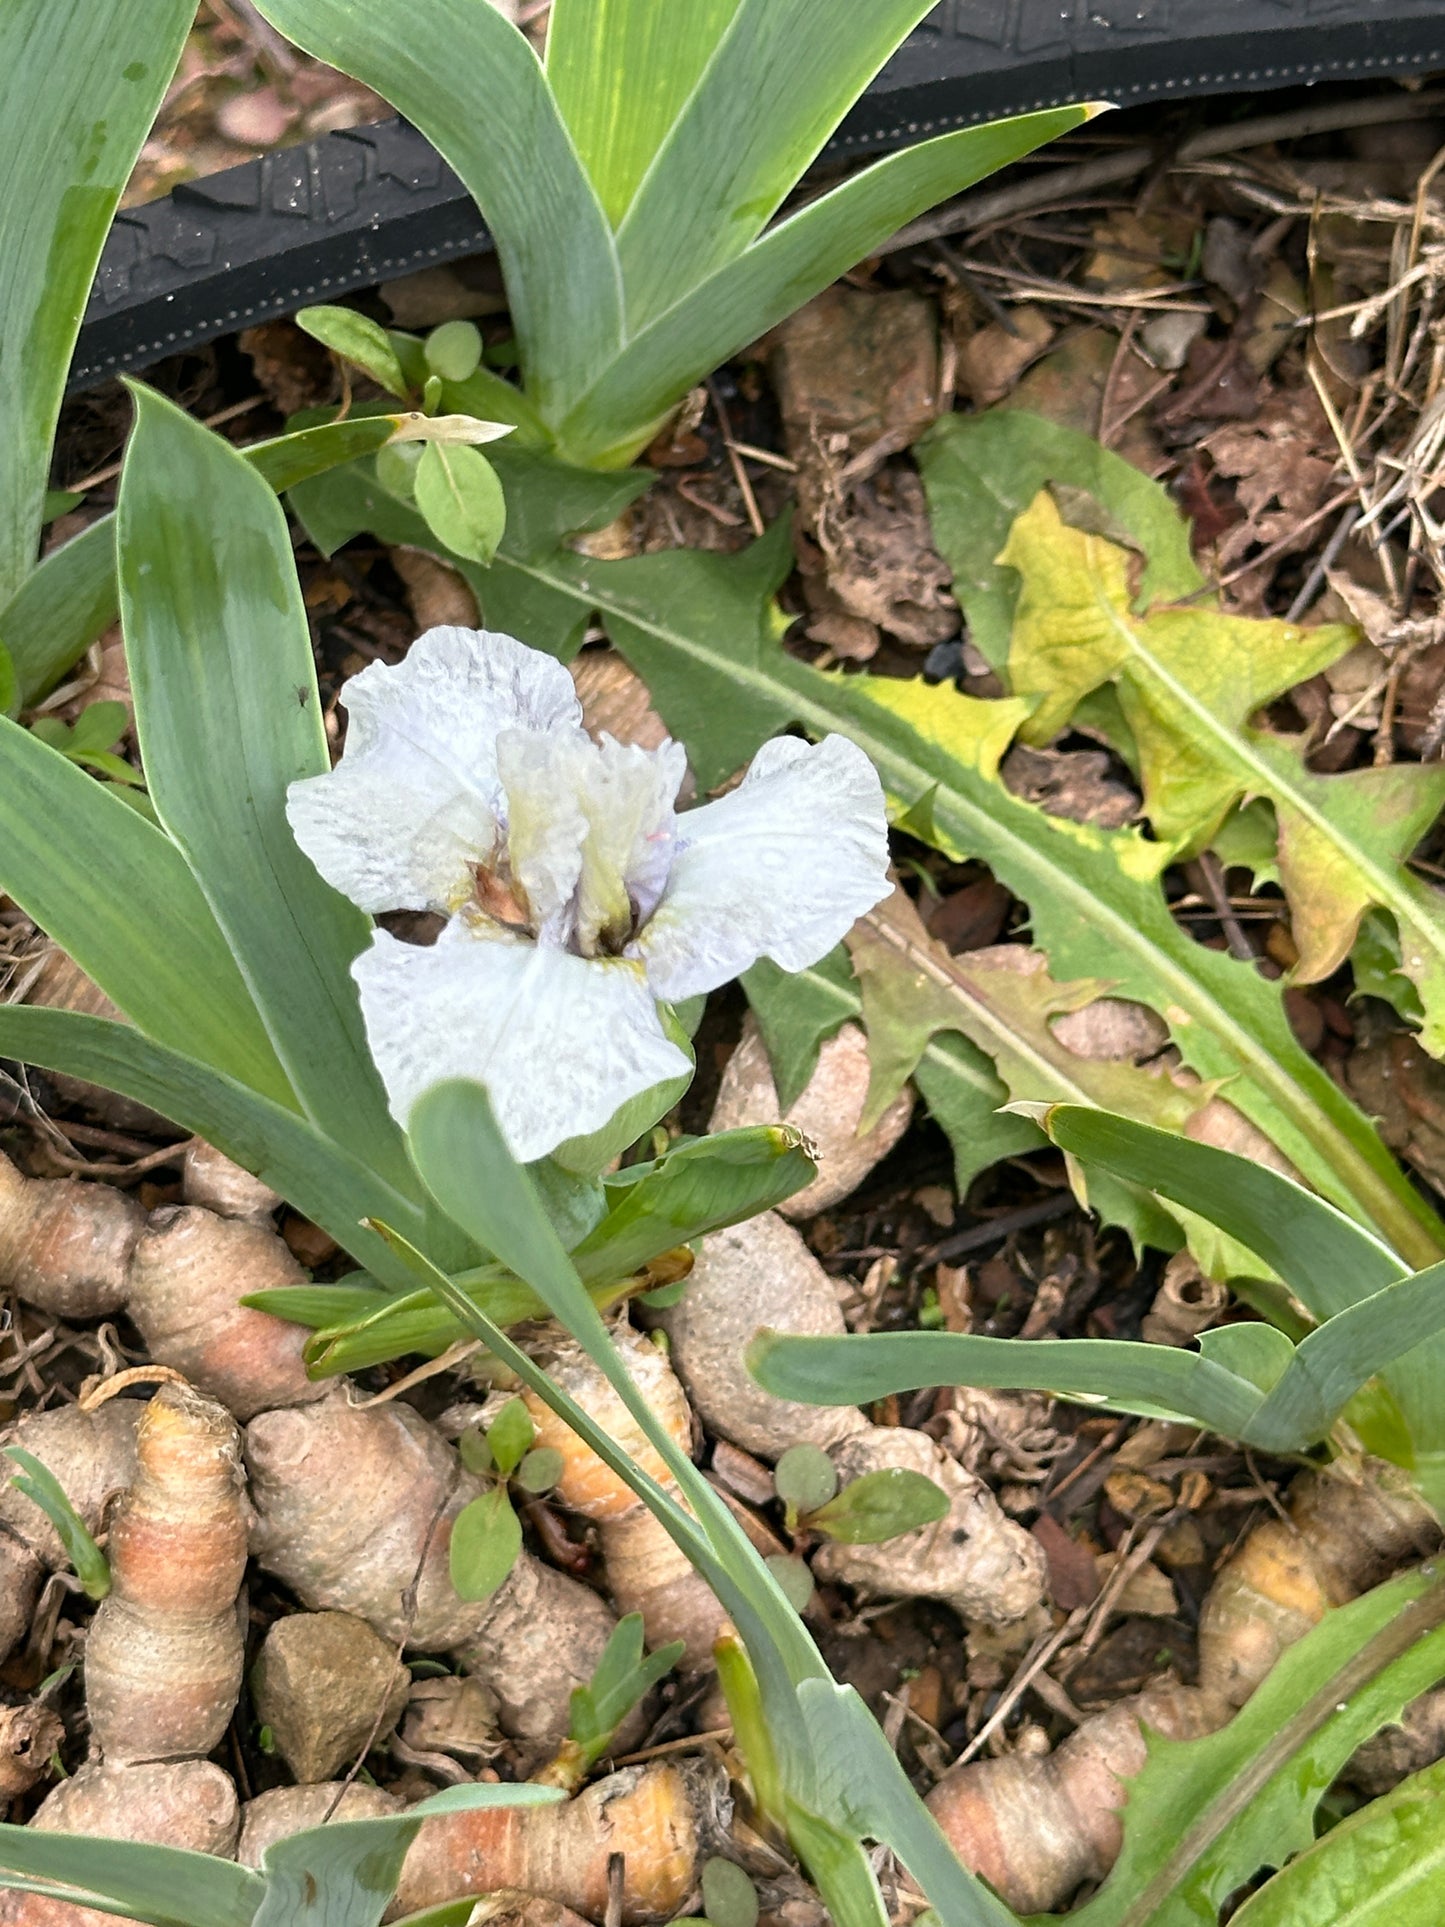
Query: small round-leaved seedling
<point x="474" y="1451"/>
<point x="396" y="466"/>
<point x="804" y="1479"/>
<point x="883" y="1504"/>
<point x="793" y="1576"/>
<point x="728" y="1896"/>
<point x="510" y="1436"/>
<point x="454" y="350"/>
<point x="486" y="1539"/>
<point x="540" y="1469"/>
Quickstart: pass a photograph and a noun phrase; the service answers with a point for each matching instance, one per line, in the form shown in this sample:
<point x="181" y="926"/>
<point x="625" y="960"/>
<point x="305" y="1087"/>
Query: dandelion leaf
<point x="1004" y="1001"/>
<point x="982" y="471"/>
<point x="705" y="634"/>
<point x="1189" y="680"/>
<point x="798" y="1011"/>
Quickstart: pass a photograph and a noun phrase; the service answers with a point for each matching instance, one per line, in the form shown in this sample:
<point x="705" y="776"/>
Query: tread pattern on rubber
<point x="370" y="203"/>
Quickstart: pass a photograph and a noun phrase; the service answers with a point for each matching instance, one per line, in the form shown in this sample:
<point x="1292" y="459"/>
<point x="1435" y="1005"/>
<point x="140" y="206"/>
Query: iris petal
<point x="560" y="1041"/>
<point x="779" y="868"/>
<point x="415" y="799"/>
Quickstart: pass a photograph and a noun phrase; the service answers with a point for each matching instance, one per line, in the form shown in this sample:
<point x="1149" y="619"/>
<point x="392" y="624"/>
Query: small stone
<point x="827" y="1111"/>
<point x="1168" y="338"/>
<point x="257" y="119"/>
<point x="1147" y="1591"/>
<point x="455" y="1716"/>
<point x="319" y="1684"/>
<point x="1182" y="1546"/>
<point x="944" y="661"/>
<point x="1136" y="1496"/>
<point x="991" y="360"/>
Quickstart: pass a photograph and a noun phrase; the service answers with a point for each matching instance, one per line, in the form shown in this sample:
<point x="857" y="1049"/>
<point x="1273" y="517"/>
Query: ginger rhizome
<point x="187" y="1275"/>
<point x="646" y="1573"/>
<point x="1037" y="1827"/>
<point x="92" y="1454"/>
<point x="164" y="1654"/>
<point x="354" y="1511"/>
<point x="65" y="1246"/>
<point x="664" y="1819"/>
<point x="761" y="1273"/>
<point x="188" y="1803"/>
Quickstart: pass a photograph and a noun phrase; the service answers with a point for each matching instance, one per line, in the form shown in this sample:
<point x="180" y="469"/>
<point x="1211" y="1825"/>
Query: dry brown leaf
<point x="856" y="364"/>
<point x="1282" y="464"/>
<point x="1072" y="783"/>
<point x="991" y="359"/>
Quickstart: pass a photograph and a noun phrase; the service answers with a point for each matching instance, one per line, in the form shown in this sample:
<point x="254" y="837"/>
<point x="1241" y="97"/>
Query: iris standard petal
<point x="543" y="774"/>
<point x="780" y="868"/>
<point x="631" y="837"/>
<point x="590" y="831"/>
<point x="559" y="1041"/>
<point x="415" y="797"/>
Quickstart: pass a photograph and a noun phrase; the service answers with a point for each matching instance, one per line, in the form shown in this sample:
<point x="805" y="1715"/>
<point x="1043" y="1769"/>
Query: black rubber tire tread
<point x="368" y="204"/>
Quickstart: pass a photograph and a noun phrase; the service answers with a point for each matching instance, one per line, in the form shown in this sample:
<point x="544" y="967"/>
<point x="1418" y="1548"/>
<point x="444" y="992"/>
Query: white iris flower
<point x="576" y="898"/>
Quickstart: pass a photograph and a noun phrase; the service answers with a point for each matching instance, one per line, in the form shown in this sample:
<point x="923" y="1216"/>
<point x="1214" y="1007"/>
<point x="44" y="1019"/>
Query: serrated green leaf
<point x="1384" y="1866"/>
<point x="486" y="1539"/>
<point x="982" y="471"/>
<point x="458" y="492"/>
<point x="1376" y="966"/>
<point x="705" y="635"/>
<point x="1328" y="1262"/>
<point x="1206" y="1815"/>
<point x="1189" y="680"/>
<point x="358" y="339"/>
<point x="798" y="1010"/>
<point x="880" y="1505"/>
<point x="1004" y="1001"/>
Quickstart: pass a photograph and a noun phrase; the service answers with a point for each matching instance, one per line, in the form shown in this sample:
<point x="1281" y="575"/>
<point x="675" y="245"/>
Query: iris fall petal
<point x="560" y="1041"/>
<point x="779" y="868"/>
